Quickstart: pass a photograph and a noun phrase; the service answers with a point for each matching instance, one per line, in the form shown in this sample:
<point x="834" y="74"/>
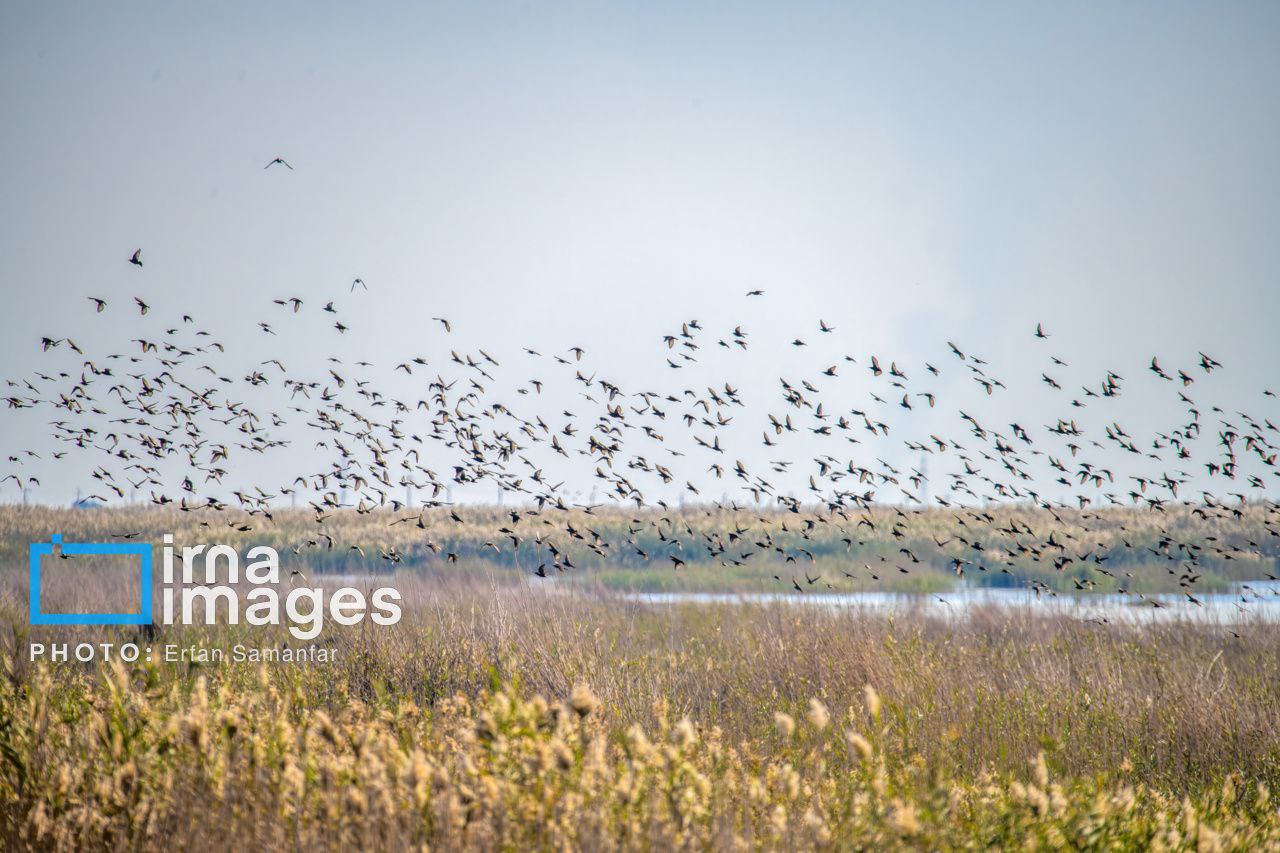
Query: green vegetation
<point x="1139" y="550"/>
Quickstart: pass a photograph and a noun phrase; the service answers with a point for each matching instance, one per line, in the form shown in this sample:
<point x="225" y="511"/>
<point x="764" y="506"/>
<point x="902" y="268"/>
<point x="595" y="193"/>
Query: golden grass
<point x="497" y="718"/>
<point x="137" y="764"/>
<point x="503" y="713"/>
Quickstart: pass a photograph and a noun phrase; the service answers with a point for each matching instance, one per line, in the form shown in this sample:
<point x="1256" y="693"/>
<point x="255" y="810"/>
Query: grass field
<point x="501" y="713"/>
<point x="495" y="717"/>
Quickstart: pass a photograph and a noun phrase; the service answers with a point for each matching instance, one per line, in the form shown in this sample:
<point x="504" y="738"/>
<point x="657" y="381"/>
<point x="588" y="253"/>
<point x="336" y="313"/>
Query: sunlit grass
<point x="496" y="718"/>
<point x="130" y="759"/>
<point x="506" y="712"/>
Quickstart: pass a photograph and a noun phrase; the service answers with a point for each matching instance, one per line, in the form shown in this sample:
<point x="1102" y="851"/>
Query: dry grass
<point x="704" y="726"/>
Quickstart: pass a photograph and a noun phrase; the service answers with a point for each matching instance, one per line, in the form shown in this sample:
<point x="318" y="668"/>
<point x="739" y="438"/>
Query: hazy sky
<point x="557" y="174"/>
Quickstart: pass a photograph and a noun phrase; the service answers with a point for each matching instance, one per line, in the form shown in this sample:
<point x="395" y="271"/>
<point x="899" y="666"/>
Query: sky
<point x="594" y="174"/>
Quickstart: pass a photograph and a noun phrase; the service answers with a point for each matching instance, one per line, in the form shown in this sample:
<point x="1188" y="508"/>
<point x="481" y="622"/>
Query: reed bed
<point x="496" y="717"/>
<point x="1132" y="544"/>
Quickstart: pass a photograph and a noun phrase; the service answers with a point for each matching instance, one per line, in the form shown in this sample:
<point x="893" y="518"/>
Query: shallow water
<point x="1252" y="602"/>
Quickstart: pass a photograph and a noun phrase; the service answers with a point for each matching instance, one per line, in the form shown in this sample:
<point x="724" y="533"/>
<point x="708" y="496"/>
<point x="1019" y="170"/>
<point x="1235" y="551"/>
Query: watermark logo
<point x="203" y="585"/>
<point x="79" y="549"/>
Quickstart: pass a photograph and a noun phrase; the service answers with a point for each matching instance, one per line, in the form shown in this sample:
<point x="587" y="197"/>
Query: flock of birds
<point x="168" y="417"/>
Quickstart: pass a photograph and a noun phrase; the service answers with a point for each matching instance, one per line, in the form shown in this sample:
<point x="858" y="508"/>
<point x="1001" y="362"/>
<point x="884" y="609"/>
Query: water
<point x="1253" y="602"/>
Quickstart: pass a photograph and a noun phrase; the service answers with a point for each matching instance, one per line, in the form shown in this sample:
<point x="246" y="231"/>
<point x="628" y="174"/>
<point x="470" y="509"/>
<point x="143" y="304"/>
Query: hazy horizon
<point x="594" y="176"/>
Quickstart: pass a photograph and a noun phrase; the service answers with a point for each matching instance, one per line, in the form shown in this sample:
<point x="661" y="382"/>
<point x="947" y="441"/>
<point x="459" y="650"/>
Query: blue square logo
<point x="76" y="549"/>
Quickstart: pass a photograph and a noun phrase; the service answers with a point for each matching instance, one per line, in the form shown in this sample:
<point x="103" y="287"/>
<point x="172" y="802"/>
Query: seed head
<point x="873" y="701"/>
<point x="583" y="701"/>
<point x="818" y="715"/>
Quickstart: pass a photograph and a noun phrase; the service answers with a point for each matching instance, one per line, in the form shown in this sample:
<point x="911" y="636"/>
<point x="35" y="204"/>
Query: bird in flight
<point x="279" y="161"/>
<point x="136" y="258"/>
<point x="360" y="282"/>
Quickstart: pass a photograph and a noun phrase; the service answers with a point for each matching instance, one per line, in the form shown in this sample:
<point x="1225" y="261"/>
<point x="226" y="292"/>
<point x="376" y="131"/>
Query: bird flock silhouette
<point x="166" y="415"/>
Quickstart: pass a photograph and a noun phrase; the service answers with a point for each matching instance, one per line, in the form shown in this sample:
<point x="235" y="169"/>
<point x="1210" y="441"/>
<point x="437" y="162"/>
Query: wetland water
<point x="1251" y="602"/>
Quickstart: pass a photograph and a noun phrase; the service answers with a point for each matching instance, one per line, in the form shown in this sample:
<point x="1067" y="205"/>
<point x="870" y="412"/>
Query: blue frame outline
<point x="39" y="549"/>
